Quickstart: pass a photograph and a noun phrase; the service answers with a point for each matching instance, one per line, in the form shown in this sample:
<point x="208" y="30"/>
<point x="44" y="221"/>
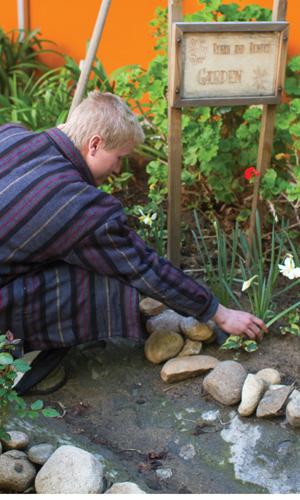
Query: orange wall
<point x="127" y="35"/>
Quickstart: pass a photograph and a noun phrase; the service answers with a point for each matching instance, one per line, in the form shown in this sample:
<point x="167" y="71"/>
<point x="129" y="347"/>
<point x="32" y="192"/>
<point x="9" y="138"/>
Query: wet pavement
<point x="168" y="438"/>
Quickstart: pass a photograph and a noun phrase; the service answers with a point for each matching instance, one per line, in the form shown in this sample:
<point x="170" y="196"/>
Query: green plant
<point x="8" y="396"/>
<point x="261" y="274"/>
<point x="217" y="142"/>
<point x="218" y="263"/>
<point x="19" y="53"/>
<point x="152" y="226"/>
<point x="293" y="324"/>
<point x="237" y="342"/>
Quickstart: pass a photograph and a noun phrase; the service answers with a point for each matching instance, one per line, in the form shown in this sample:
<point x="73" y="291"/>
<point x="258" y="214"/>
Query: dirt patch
<point x="169" y="437"/>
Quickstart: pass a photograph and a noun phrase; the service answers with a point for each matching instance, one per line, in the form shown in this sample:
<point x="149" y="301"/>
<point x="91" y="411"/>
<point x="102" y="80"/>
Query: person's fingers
<point x="260" y="323"/>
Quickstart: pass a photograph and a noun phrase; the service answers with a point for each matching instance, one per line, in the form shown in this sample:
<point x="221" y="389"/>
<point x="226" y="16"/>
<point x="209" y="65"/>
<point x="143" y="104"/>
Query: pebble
<point x="195" y="330"/>
<point x="40" y="453"/>
<point x="273" y="401"/>
<point x="168" y="320"/>
<point x="252" y="392"/>
<point x="125" y="488"/>
<point x="163" y="345"/>
<point x="16" y="472"/>
<point x="187" y="451"/>
<point x="187" y="367"/>
<point x="225" y="382"/>
<point x="190" y="348"/>
<point x="18" y="441"/>
<point x="70" y="470"/>
<point x="151" y="307"/>
<point x="269" y="375"/>
<point x="163" y="474"/>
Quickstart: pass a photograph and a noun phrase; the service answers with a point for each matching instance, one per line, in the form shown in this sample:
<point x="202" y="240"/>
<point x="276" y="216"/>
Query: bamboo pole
<point x="91" y="54"/>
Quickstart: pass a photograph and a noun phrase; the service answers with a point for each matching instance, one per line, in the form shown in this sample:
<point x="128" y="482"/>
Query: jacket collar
<point x="73" y="154"/>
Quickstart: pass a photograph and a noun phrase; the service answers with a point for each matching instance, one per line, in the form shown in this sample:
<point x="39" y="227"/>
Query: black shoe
<point x="45" y="375"/>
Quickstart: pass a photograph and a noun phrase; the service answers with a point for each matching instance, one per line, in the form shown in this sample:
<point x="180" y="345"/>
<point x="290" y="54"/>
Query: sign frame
<point x="176" y="78"/>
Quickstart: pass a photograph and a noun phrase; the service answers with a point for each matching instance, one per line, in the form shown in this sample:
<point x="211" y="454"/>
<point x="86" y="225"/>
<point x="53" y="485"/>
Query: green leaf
<point x="233" y="342"/>
<point x="50" y="412"/>
<point x="250" y="345"/>
<point x="21" y="365"/>
<point x="295" y="129"/>
<point x="6" y="358"/>
<point x="294" y="64"/>
<point x="37" y="405"/>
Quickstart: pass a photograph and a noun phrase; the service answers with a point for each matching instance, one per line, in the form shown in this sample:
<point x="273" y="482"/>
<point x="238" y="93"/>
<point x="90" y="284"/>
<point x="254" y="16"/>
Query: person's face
<point x="101" y="162"/>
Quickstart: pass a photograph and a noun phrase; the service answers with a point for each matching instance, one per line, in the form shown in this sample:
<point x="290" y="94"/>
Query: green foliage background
<point x="219" y="143"/>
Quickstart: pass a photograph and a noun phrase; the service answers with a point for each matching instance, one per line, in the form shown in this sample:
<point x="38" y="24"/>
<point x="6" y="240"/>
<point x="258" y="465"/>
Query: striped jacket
<point x="51" y="211"/>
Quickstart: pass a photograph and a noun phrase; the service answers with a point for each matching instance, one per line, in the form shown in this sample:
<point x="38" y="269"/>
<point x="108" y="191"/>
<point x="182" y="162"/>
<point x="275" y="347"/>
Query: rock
<point x="269" y="375"/>
<point x="187" y="451"/>
<point x="191" y="348"/>
<point x="166" y="321"/>
<point x="186" y="367"/>
<point x="294" y="394"/>
<point x="195" y="330"/>
<point x="293" y="411"/>
<point x="151" y="307"/>
<point x="0" y="447"/>
<point x="40" y="453"/>
<point x="163" y="474"/>
<point x="273" y="401"/>
<point x="125" y="488"/>
<point x="225" y="382"/>
<point x="163" y="345"/>
<point x="16" y="472"/>
<point x="70" y="470"/>
<point x="252" y="392"/>
<point x="18" y="441"/>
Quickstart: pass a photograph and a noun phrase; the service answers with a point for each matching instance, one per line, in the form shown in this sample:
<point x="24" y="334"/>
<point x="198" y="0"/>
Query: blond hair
<point x="105" y="115"/>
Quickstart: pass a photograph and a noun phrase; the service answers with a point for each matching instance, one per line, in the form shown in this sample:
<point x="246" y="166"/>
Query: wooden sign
<point x="228" y="63"/>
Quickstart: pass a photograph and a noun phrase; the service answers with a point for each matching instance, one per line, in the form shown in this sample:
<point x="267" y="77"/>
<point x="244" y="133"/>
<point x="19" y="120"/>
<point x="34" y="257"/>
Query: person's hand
<point x="239" y="323"/>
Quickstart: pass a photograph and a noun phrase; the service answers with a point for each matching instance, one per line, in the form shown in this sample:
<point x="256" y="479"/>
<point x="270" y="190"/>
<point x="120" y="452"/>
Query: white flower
<point x="288" y="268"/>
<point x="247" y="283"/>
<point x="147" y="219"/>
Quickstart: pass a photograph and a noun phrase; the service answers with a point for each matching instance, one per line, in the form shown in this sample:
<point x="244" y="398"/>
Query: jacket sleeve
<point x="114" y="249"/>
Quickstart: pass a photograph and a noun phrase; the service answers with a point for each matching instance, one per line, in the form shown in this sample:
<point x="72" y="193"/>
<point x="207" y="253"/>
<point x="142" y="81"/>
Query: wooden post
<point x="91" y="54"/>
<point x="174" y="147"/>
<point x="267" y="129"/>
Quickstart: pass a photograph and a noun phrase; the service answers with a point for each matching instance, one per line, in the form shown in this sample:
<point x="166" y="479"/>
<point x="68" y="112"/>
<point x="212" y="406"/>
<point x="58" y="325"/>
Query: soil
<point x="116" y="406"/>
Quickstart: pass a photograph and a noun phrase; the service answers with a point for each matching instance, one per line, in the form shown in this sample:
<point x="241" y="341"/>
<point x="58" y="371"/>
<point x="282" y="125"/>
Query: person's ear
<point x="95" y="143"/>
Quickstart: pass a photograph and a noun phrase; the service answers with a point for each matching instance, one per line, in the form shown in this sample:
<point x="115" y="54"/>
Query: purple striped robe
<point x="71" y="267"/>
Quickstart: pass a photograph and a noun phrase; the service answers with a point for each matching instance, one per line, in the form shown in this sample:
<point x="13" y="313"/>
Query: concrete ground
<point x="167" y="438"/>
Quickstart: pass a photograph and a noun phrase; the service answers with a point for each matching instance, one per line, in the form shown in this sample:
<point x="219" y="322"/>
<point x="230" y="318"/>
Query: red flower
<point x="251" y="172"/>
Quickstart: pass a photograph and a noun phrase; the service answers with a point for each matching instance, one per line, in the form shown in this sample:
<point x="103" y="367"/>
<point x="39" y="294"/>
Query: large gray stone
<point x="16" y="472"/>
<point x="164" y="345"/>
<point x="125" y="488"/>
<point x="225" y="382"/>
<point x="70" y="470"/>
<point x="186" y="367"/>
<point x="168" y="320"/>
<point x="271" y="405"/>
